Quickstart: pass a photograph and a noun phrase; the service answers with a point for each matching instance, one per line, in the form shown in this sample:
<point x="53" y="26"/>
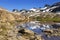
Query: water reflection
<point x="38" y="28"/>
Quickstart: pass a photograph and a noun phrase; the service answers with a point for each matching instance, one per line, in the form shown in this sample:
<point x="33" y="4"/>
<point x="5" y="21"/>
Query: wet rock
<point x="57" y="25"/>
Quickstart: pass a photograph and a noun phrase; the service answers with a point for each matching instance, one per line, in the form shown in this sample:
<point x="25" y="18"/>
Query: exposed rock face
<point x="47" y="8"/>
<point x="56" y="26"/>
<point x="56" y="4"/>
<point x="15" y="10"/>
<point x="55" y="7"/>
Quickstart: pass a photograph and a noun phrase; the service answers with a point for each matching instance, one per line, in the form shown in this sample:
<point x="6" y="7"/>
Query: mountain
<point x="52" y="8"/>
<point x="10" y="22"/>
<point x="15" y="10"/>
<point x="47" y="8"/>
<point x="56" y="4"/>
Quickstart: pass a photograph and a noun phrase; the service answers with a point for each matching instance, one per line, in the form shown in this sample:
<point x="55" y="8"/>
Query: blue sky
<point x="25" y="4"/>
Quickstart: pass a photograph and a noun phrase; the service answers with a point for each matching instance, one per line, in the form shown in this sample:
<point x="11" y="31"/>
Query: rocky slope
<point x="5" y="16"/>
<point x="9" y="29"/>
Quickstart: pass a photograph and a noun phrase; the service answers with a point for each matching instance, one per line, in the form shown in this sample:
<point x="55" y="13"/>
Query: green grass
<point x="54" y="19"/>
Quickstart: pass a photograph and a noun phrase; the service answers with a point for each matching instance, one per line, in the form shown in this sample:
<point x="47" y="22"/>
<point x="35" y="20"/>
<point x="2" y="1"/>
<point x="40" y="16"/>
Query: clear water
<point x="38" y="29"/>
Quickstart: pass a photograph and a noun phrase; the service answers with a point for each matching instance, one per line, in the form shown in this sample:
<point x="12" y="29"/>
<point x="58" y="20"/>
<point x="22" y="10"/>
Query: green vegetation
<point x="56" y="19"/>
<point x="47" y="19"/>
<point x="18" y="20"/>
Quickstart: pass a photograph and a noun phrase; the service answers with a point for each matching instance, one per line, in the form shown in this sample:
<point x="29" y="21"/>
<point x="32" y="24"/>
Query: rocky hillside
<point x="46" y="17"/>
<point x="9" y="16"/>
<point x="9" y="29"/>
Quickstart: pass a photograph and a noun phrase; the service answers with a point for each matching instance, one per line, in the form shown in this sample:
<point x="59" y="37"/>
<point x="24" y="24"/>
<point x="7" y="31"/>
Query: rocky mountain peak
<point x="56" y="4"/>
